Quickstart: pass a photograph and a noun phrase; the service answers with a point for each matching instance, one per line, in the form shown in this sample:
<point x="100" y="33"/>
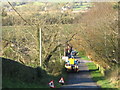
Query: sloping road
<point x="82" y="79"/>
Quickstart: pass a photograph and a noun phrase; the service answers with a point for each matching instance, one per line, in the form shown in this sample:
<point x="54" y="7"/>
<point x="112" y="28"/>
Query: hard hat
<point x="72" y="57"/>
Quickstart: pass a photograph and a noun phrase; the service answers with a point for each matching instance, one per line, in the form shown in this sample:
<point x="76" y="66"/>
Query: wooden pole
<point x="40" y="45"/>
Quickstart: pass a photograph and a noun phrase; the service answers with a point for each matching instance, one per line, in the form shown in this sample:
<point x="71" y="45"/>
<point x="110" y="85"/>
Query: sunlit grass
<point x="98" y="77"/>
<point x="85" y="58"/>
<point x="38" y="3"/>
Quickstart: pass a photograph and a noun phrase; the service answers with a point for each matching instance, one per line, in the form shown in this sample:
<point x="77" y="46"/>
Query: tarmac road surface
<point x="81" y="79"/>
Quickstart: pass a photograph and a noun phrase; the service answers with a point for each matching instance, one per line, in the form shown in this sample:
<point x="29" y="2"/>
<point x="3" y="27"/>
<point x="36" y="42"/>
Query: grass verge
<point x="98" y="77"/>
<point x="85" y="58"/>
<point x="17" y="75"/>
<point x="15" y="83"/>
<point x="8" y="82"/>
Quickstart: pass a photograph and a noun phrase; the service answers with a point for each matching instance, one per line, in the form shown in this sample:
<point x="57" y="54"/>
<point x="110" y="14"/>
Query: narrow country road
<point x="82" y="79"/>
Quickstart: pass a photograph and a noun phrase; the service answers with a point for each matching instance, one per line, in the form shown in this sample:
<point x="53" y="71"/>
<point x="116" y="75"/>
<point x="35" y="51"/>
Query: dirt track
<point x="82" y="79"/>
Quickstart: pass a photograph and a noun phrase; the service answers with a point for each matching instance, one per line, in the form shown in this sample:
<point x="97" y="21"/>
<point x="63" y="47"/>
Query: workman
<point x="72" y="60"/>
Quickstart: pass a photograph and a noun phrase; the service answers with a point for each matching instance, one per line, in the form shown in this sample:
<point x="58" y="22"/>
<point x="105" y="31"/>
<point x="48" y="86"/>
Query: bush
<point x="117" y="6"/>
<point x="4" y="13"/>
<point x="7" y="21"/>
<point x="113" y="75"/>
<point x="55" y="68"/>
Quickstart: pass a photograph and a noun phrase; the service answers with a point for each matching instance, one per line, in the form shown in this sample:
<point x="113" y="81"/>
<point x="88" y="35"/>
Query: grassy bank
<point x="17" y="75"/>
<point x="43" y="83"/>
<point x="98" y="77"/>
<point x="15" y="83"/>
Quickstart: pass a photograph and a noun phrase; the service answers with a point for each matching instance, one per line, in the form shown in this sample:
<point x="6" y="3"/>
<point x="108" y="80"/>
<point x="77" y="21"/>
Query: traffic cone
<point x="61" y="81"/>
<point x="51" y="84"/>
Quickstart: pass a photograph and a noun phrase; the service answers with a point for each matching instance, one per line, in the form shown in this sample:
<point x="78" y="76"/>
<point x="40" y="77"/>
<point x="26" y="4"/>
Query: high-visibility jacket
<point x="71" y="61"/>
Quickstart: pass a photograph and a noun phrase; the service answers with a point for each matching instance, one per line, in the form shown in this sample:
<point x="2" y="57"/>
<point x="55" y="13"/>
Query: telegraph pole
<point x="40" y="46"/>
